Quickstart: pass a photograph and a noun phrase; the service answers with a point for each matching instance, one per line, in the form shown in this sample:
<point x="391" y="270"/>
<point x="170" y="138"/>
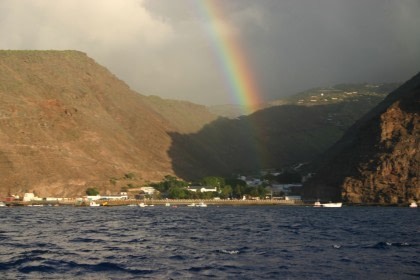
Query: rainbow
<point x="231" y="55"/>
<point x="238" y="74"/>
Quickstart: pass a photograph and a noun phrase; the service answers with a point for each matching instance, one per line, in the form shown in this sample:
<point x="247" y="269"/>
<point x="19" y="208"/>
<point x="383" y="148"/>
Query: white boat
<point x="201" y="204"/>
<point x="191" y="205"/>
<point x="413" y="204"/>
<point x="317" y="204"/>
<point x="142" y="204"/>
<point x="167" y="204"/>
<point x="331" y="204"/>
<point x="94" y="204"/>
<point x="2" y="204"/>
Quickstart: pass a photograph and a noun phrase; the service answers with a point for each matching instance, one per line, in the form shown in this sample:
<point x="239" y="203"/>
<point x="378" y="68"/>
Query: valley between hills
<point x="67" y="123"/>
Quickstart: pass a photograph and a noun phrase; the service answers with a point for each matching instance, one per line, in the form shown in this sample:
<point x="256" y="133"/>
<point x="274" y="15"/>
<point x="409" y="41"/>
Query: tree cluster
<point x="172" y="187"/>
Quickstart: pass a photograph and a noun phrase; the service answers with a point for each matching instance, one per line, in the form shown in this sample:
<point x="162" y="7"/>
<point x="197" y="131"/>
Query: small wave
<point x="86" y="240"/>
<point x="230" y="252"/>
<point x="200" y="268"/>
<point x="37" y="268"/>
<point x="177" y="257"/>
<point x="136" y="240"/>
<point x="385" y="245"/>
<point x="109" y="267"/>
<point x="20" y="261"/>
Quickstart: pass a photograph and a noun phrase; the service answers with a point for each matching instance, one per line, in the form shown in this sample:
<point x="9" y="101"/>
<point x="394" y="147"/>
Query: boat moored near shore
<point x="332" y="204"/>
<point x="93" y="204"/>
<point x="413" y="204"/>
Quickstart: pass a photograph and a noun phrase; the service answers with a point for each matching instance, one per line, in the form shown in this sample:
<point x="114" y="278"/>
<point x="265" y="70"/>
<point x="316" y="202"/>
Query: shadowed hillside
<point x="378" y="159"/>
<point x="269" y="138"/>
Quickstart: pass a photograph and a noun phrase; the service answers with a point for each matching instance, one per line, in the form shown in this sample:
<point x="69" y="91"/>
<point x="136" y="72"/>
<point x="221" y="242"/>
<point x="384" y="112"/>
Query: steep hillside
<point x="377" y="160"/>
<point x="185" y="117"/>
<point x="270" y="138"/>
<point x="67" y="123"/>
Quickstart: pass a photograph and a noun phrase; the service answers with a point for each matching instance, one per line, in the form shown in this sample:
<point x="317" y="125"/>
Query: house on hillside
<point x="148" y="190"/>
<point x="114" y="197"/>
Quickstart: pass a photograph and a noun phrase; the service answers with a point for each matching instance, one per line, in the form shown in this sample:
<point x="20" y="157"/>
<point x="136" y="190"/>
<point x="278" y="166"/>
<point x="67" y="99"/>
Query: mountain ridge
<point x="67" y="123"/>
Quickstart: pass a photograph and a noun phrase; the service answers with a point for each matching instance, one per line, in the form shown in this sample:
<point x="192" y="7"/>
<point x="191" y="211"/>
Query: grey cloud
<point x="160" y="47"/>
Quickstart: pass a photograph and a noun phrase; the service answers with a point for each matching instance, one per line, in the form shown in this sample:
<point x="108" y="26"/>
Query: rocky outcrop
<point x="377" y="160"/>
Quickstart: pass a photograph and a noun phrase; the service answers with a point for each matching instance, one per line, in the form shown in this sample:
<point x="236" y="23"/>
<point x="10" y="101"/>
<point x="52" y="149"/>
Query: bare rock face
<point x="378" y="159"/>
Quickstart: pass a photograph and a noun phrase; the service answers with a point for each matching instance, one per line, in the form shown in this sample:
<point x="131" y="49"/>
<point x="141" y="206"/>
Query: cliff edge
<point x="377" y="160"/>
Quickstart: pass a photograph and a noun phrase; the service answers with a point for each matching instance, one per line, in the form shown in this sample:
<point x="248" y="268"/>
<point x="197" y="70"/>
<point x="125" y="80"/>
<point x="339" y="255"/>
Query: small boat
<point x="93" y="204"/>
<point x="132" y="205"/>
<point x="142" y="204"/>
<point x="191" y="205"/>
<point x="331" y="204"/>
<point x="413" y="204"/>
<point x="2" y="204"/>
<point x="317" y="204"/>
<point x="167" y="204"/>
<point x="201" y="204"/>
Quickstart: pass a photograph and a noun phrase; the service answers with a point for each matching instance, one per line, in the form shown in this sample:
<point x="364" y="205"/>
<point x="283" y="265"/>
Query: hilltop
<point x="352" y="93"/>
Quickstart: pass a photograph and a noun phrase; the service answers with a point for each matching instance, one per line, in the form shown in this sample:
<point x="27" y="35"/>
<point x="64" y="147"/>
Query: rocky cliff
<point x="377" y="160"/>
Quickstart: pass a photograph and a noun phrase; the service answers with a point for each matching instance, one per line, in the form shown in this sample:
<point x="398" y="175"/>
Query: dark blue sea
<point x="214" y="242"/>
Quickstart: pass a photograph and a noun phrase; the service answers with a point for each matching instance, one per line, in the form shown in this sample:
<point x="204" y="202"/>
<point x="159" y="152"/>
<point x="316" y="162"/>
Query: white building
<point x="202" y="189"/>
<point x="31" y="197"/>
<point x="93" y="197"/>
<point x="54" y="199"/>
<point x="148" y="190"/>
<point x="293" y="197"/>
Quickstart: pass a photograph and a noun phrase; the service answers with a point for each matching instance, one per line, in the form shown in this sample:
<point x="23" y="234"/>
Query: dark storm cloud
<point x="160" y="46"/>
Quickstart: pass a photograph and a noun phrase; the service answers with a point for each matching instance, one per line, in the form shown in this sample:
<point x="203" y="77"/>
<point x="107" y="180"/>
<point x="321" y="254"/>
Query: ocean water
<point x="214" y="242"/>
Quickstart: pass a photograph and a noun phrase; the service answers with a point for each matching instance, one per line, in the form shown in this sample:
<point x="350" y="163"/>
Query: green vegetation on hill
<point x="172" y="187"/>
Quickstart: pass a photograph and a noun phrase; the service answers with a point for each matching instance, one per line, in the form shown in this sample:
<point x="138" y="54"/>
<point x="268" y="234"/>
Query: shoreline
<point x="160" y="202"/>
<point x="185" y="202"/>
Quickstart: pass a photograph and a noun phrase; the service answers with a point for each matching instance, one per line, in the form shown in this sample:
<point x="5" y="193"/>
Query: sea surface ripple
<point x="215" y="242"/>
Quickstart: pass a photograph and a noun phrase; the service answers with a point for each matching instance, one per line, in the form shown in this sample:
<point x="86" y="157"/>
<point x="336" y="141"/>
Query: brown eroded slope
<point x="67" y="123"/>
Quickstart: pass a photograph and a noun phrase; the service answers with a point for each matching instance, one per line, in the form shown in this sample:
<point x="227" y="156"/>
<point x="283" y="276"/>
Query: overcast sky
<point x="161" y="47"/>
